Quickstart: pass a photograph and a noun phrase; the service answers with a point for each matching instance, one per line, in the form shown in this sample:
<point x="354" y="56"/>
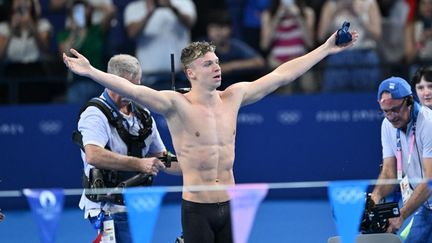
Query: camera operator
<point x="407" y="155"/>
<point x="116" y="136"/>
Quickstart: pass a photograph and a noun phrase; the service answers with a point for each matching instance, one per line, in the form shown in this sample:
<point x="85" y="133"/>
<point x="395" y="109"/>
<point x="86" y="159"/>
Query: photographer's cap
<point x="397" y="87"/>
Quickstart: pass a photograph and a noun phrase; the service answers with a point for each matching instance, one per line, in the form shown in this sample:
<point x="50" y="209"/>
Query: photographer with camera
<point x="407" y="156"/>
<point x="418" y="35"/>
<point x="160" y="27"/>
<point x="115" y="136"/>
<point x="25" y="41"/>
<point x="81" y="34"/>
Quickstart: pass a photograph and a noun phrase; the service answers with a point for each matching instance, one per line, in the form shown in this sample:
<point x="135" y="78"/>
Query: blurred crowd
<point x="252" y="37"/>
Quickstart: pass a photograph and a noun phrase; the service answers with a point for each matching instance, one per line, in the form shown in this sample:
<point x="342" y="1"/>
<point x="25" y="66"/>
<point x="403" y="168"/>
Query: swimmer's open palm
<point x="77" y="63"/>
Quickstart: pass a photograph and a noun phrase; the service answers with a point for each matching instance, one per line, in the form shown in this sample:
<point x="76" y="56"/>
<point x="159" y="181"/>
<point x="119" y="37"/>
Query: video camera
<point x="167" y="158"/>
<point x="375" y="217"/>
<point x="103" y="179"/>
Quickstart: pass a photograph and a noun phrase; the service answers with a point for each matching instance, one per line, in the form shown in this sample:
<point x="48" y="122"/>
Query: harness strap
<point x="99" y="178"/>
<point x="134" y="143"/>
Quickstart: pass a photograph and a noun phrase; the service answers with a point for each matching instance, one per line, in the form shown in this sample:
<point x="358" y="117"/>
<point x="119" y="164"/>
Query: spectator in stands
<point x="160" y="27"/>
<point x="418" y="35"/>
<point x="118" y="40"/>
<point x="235" y="9"/>
<point x="82" y="35"/>
<point x="422" y="84"/>
<point x="287" y="32"/>
<point x="99" y="8"/>
<point x="390" y="45"/>
<point x="239" y="61"/>
<point x="251" y="23"/>
<point x="203" y="9"/>
<point x="359" y="68"/>
<point x="24" y="40"/>
<point x="316" y="5"/>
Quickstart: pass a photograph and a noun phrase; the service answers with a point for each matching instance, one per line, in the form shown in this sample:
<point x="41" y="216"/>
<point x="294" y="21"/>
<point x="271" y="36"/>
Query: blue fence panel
<point x="279" y="139"/>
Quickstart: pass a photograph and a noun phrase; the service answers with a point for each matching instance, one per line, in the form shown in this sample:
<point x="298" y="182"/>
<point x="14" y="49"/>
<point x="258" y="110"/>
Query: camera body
<point x="375" y="217"/>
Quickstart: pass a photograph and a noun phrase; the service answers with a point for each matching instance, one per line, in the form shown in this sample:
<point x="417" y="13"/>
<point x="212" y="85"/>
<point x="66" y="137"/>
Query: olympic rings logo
<point x="348" y="195"/>
<point x="50" y="127"/>
<point x="289" y="117"/>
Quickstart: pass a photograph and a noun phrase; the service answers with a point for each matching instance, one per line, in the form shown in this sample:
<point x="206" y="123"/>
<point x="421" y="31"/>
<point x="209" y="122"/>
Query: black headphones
<point x="410" y="100"/>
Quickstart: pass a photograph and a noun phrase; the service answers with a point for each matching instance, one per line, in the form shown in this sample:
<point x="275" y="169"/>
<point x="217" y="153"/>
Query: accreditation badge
<point x="406" y="190"/>
<point x="108" y="234"/>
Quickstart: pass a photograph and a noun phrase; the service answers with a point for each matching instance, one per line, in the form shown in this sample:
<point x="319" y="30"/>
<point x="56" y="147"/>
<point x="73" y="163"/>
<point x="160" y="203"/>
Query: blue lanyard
<point x="113" y="106"/>
<point x="97" y="224"/>
<point x="414" y="114"/>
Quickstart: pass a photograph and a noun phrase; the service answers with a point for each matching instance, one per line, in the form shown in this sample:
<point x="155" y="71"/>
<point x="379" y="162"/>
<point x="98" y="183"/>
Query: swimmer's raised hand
<point x="333" y="48"/>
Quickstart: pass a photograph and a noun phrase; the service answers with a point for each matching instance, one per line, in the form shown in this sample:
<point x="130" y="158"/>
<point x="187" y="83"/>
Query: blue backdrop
<point x="279" y="139"/>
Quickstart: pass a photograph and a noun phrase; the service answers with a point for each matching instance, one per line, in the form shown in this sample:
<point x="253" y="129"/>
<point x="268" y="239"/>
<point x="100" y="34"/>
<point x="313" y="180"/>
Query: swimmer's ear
<point x="190" y="73"/>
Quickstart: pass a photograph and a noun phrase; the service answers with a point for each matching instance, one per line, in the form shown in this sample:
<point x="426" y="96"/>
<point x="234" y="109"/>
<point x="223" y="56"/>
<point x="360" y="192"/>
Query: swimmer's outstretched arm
<point x="289" y="71"/>
<point x="157" y="101"/>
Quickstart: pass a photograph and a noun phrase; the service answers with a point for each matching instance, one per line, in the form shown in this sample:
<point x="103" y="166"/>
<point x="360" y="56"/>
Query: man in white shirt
<point x="116" y="153"/>
<point x="407" y="156"/>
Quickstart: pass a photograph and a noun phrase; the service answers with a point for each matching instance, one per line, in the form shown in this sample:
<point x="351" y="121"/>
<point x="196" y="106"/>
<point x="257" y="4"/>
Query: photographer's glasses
<point x="394" y="110"/>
